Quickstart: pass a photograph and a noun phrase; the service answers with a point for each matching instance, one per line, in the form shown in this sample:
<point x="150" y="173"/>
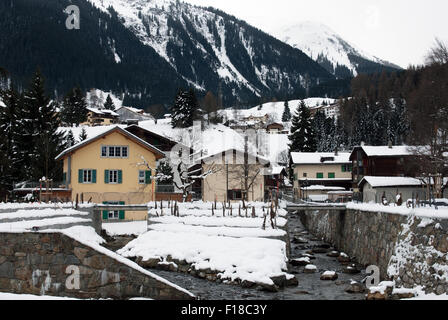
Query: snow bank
<point x="28" y="224"/>
<point x="126" y="228"/>
<point x="252" y="259"/>
<point x="219" y="231"/>
<point x="42" y="213"/>
<point x="423" y="212"/>
<point x="218" y="221"/>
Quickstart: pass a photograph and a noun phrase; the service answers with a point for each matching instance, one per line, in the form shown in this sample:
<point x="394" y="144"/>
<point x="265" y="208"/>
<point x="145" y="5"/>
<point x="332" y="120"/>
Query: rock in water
<point x="355" y="287"/>
<point x="343" y="258"/>
<point x="310" y="268"/>
<point x="333" y="254"/>
<point x="329" y="276"/>
<point x="300" y="262"/>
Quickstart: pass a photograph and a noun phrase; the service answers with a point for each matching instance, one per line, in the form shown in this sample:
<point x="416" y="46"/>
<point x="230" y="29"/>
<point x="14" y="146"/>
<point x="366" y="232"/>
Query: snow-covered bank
<point x="251" y="259"/>
<point x="424" y="212"/>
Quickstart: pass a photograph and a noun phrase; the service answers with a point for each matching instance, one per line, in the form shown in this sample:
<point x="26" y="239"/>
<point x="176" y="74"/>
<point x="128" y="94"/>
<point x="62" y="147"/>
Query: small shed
<point x="373" y="188"/>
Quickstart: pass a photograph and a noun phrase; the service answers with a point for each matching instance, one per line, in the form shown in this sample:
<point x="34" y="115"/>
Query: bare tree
<point x="438" y="53"/>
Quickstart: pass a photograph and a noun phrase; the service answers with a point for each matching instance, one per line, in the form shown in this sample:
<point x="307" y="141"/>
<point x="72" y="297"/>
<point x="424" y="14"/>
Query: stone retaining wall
<point x="410" y="250"/>
<point x="36" y="263"/>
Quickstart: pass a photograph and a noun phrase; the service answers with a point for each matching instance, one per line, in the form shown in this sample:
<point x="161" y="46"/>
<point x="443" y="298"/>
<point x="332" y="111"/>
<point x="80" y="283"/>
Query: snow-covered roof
<point x="320" y="157"/>
<point x="383" y="151"/>
<point x="274" y="170"/>
<point x="390" y="181"/>
<point x="322" y="188"/>
<point x="103" y="111"/>
<point x="114" y="128"/>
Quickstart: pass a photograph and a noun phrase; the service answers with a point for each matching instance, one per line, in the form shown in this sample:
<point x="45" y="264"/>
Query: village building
<point x="376" y="189"/>
<point x="321" y="168"/>
<point x="226" y="175"/>
<point x="276" y="128"/>
<point x="100" y="117"/>
<point x="129" y="115"/>
<point x="114" y="167"/>
<point x="385" y="161"/>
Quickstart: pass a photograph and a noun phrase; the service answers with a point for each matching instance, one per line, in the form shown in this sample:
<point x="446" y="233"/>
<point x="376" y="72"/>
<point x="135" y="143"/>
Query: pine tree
<point x="286" y="113"/>
<point x="70" y="139"/>
<point x="184" y="111"/>
<point x="109" y="104"/>
<point x="74" y="107"/>
<point x="302" y="133"/>
<point x="45" y="141"/>
<point x="83" y="134"/>
<point x="10" y="129"/>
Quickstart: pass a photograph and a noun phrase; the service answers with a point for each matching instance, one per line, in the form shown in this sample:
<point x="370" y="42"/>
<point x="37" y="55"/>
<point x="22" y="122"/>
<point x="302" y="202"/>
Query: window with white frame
<point x="113" y="176"/>
<point x="119" y="152"/>
<point x="141" y="177"/>
<point x="87" y="176"/>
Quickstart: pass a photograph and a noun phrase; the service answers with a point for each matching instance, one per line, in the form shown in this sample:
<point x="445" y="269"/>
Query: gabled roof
<point x="385" y="151"/>
<point x="209" y="157"/>
<point x="103" y="111"/>
<point x="390" y="181"/>
<point x="320" y="158"/>
<point x="159" y="154"/>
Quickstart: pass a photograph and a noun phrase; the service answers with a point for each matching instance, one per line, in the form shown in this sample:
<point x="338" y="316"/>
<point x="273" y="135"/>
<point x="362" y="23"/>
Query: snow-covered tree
<point x="70" y="139"/>
<point x="74" y="107"/>
<point x="165" y="173"/>
<point x="286" y="116"/>
<point x="302" y="135"/>
<point x="183" y="113"/>
<point x="83" y="134"/>
<point x="109" y="104"/>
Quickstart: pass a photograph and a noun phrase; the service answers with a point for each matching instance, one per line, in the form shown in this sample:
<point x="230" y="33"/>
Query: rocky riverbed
<point x="321" y="271"/>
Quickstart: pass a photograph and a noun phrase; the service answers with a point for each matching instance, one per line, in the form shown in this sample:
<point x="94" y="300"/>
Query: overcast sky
<point x="400" y="31"/>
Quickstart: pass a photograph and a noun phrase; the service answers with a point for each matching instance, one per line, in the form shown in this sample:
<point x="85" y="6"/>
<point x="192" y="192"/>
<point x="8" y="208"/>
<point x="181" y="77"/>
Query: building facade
<point x="115" y="167"/>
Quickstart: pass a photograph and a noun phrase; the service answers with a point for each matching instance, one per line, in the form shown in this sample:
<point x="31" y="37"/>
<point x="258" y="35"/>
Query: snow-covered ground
<point x="126" y="228"/>
<point x="423" y="212"/>
<point x="235" y="247"/>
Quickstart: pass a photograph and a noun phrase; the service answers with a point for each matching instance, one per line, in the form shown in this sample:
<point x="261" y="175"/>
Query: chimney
<point x="390" y="144"/>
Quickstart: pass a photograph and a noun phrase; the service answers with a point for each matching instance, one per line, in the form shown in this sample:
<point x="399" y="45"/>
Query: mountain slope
<point x="146" y="50"/>
<point x="331" y="51"/>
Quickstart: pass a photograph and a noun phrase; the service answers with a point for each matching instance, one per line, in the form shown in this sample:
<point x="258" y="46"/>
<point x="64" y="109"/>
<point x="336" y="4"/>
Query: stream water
<point x="310" y="286"/>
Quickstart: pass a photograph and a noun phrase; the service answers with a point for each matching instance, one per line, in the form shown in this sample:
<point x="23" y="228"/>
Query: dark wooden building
<point x="384" y="161"/>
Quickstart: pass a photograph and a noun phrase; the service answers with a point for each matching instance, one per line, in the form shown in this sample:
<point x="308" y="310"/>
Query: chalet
<point x="114" y="167"/>
<point x="228" y="176"/>
<point x="276" y="128"/>
<point x="375" y="188"/>
<point x="321" y="168"/>
<point x="388" y="161"/>
<point x="127" y="115"/>
<point x="100" y="117"/>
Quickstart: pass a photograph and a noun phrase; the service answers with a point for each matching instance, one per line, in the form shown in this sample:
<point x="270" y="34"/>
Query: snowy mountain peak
<point x="329" y="49"/>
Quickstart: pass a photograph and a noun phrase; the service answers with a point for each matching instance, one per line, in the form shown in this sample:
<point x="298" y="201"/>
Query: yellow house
<point x="114" y="167"/>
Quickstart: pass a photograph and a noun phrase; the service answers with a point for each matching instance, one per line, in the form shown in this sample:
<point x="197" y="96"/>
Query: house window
<point x="347" y="168"/>
<point x="114" y="214"/>
<point x="141" y="177"/>
<point x="331" y="175"/>
<point x="87" y="176"/>
<point x="124" y="152"/>
<point x="113" y="176"/>
<point x="103" y="151"/>
<point x="114" y="152"/>
<point x="319" y="175"/>
<point x="305" y="175"/>
<point x="234" y="194"/>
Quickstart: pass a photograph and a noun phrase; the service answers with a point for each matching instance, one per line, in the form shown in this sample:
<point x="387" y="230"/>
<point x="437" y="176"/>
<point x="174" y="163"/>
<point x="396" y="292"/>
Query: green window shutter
<point x="331" y="175"/>
<point x="344" y="168"/>
<point x="319" y="175"/>
<point x="120" y="176"/>
<point x="105" y="213"/>
<point x="64" y="178"/>
<point x="148" y="177"/>
<point x="295" y="177"/>
<point x="121" y="212"/>
<point x="80" y="176"/>
<point x="106" y="176"/>
<point x="93" y="176"/>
